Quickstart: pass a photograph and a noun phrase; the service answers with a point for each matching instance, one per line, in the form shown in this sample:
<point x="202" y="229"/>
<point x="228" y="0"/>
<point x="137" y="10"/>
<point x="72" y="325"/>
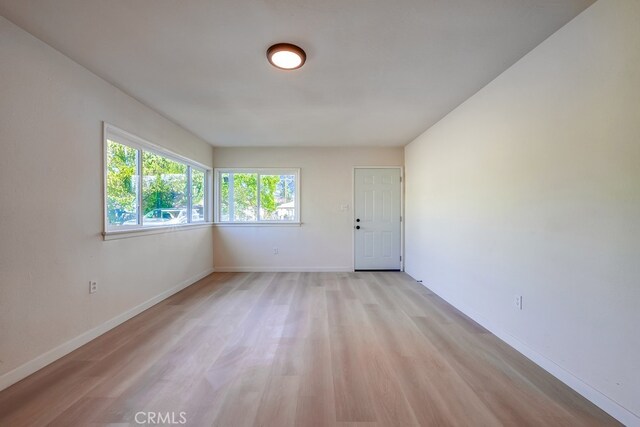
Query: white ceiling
<point x="378" y="72"/>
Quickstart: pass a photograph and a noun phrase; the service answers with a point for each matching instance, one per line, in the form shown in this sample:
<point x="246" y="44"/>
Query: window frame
<point x="111" y="132"/>
<point x="259" y="171"/>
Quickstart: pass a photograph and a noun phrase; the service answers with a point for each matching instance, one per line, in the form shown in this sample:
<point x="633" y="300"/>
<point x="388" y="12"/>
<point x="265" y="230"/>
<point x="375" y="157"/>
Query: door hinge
<point x="400" y="257"/>
<point x="400" y="179"/>
<point x="400" y="218"/>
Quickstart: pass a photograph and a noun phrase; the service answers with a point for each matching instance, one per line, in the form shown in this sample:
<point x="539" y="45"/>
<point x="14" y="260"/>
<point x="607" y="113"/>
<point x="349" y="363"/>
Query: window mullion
<point x="140" y="180"/>
<point x="206" y="201"/>
<point x="296" y="195"/>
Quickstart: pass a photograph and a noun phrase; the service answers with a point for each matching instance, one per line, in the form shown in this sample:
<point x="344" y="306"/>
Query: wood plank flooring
<point x="298" y="349"/>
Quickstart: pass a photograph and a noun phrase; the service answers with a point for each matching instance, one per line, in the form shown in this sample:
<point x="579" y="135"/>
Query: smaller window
<point x="257" y="195"/>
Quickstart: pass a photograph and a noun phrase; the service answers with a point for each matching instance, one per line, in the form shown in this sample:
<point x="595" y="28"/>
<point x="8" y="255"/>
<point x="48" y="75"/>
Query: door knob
<point x="358" y="220"/>
<point x="357" y="227"/>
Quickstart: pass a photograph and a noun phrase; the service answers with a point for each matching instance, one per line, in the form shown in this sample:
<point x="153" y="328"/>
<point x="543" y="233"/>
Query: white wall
<point x="324" y="240"/>
<point x="51" y="113"/>
<point x="532" y="188"/>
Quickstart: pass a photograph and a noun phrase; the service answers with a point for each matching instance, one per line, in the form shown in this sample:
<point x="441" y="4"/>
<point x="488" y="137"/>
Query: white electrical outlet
<point x="93" y="287"/>
<point x="518" y="302"/>
<point x="275" y="250"/>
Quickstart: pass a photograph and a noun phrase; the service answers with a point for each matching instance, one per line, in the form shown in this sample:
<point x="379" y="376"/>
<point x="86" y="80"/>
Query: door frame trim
<point x="353" y="212"/>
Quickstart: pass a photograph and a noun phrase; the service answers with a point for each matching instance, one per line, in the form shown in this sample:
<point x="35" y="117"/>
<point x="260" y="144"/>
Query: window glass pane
<point x="164" y="191"/>
<point x="277" y="197"/>
<point x="245" y="196"/>
<point x="122" y="185"/>
<point x="197" y="195"/>
<point x="224" y="197"/>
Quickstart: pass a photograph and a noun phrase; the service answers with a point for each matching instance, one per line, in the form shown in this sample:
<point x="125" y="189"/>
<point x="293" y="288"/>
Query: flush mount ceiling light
<point x="286" y="56"/>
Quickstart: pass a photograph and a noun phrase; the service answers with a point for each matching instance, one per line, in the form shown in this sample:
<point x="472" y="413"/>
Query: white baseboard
<point x="599" y="399"/>
<point x="237" y="269"/>
<point x="56" y="353"/>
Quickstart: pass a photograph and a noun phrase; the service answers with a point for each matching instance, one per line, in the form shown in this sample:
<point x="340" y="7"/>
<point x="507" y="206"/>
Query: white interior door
<point x="377" y="219"/>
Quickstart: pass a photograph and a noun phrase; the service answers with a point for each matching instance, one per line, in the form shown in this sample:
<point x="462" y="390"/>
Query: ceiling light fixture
<point x="286" y="56"/>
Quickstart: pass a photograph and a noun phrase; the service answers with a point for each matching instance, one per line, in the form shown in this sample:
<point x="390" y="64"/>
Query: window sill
<point x="135" y="232"/>
<point x="257" y="224"/>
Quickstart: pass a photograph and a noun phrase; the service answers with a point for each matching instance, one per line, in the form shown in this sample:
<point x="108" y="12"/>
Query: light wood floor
<point x="305" y="349"/>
